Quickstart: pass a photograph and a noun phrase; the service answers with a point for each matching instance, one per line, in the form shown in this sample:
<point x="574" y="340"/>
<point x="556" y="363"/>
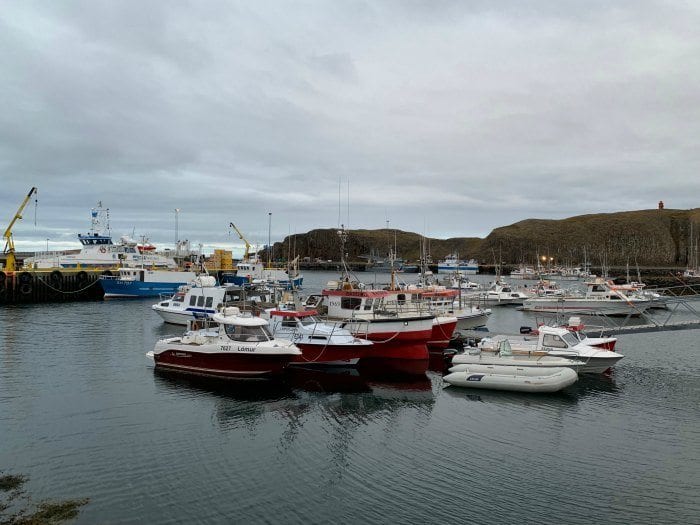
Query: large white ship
<point x="98" y="250"/>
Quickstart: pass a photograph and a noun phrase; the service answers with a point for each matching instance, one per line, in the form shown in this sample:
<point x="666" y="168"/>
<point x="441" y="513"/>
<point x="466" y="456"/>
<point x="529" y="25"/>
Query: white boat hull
<point x="511" y="378"/>
<point x="462" y="362"/>
<point x="585" y="306"/>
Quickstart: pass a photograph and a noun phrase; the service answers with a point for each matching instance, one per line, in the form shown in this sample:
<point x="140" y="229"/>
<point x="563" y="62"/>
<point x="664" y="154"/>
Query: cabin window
<point x="289" y="322"/>
<point x="401" y="298"/>
<point x="193" y="300"/>
<point x="350" y="303"/>
<point x="179" y="299"/>
<point x="368" y="304"/>
<point x="248" y="334"/>
<point x="209" y="302"/>
<point x="319" y="337"/>
<point x="200" y="300"/>
<point x="554" y="341"/>
<point x="597" y="288"/>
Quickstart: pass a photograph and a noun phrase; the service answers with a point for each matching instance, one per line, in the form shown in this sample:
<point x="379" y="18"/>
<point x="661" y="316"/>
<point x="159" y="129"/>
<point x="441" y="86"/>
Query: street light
<point x="47" y="244"/>
<point x="177" y="235"/>
<point x="269" y="239"/>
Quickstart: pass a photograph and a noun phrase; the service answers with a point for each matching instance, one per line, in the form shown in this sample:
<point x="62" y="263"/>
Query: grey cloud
<point x="459" y="116"/>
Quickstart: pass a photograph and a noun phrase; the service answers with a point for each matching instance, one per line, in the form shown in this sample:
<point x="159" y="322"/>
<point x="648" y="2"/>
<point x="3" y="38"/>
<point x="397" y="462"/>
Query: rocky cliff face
<point x="644" y="237"/>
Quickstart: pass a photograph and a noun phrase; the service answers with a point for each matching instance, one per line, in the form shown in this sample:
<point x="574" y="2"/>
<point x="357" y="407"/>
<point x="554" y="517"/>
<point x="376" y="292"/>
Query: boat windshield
<point x="248" y="334"/>
<point x="570" y="339"/>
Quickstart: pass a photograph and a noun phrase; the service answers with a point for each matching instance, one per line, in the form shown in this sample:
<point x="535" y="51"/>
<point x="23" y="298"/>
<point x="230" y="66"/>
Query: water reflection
<point x="362" y="394"/>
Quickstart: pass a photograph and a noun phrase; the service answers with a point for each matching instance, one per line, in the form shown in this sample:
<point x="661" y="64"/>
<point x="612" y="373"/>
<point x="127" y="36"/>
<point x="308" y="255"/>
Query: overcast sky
<point x="450" y="118"/>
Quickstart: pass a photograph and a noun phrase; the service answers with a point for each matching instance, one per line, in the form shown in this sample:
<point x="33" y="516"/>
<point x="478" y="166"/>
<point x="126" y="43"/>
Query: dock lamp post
<point x="47" y="244"/>
<point x="269" y="239"/>
<point x="177" y="234"/>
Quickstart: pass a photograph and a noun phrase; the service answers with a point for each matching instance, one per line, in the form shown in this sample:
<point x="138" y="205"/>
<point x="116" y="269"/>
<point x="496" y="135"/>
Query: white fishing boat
<point x="321" y="343"/>
<point x="229" y="345"/>
<point x="99" y="251"/>
<point x="202" y="297"/>
<point x="503" y="356"/>
<point x="555" y="342"/>
<point x="524" y="272"/>
<point x="513" y="378"/>
<point x="452" y="263"/>
<point x="599" y="298"/>
<point x="499" y="293"/>
<point x="254" y="271"/>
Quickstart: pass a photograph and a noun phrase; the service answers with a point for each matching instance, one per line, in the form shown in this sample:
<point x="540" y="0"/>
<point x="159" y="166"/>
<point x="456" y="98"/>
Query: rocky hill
<point x="644" y="237"/>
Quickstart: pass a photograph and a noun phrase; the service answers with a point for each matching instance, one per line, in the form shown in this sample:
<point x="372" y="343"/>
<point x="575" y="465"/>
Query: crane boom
<point x="9" y="248"/>
<point x="247" y="244"/>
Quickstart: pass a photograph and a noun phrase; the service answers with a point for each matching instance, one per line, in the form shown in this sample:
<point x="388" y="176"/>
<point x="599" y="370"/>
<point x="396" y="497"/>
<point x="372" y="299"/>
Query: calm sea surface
<point x="83" y="415"/>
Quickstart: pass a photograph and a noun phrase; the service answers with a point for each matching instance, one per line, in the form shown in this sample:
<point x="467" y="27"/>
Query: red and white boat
<point x="428" y="299"/>
<point x="365" y="313"/>
<point x="229" y="345"/>
<point x="321" y="343"/>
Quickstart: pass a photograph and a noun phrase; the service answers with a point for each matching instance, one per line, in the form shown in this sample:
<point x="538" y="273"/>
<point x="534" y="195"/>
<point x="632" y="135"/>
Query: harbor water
<point x="82" y="414"/>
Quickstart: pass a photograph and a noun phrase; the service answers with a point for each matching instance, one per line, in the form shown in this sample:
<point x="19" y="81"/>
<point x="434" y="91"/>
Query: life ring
<point x="25" y="288"/>
<point x="103" y="249"/>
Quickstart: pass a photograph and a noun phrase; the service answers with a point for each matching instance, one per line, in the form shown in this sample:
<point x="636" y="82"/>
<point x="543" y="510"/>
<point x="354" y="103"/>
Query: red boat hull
<point x="402" y="345"/>
<point x="441" y="335"/>
<point x="330" y="355"/>
<point x="224" y="365"/>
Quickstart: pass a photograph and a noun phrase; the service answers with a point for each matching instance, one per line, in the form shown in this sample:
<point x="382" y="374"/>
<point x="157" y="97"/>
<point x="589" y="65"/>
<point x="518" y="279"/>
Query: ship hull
<point x="123" y="288"/>
<point x="394" y="338"/>
<point x="330" y="355"/>
<point x="222" y="365"/>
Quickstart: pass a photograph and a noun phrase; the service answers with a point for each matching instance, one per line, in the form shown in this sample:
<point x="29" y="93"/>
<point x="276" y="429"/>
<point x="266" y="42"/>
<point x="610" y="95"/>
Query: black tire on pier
<point x="25" y="288"/>
<point x="25" y="278"/>
<point x="2" y="277"/>
<point x="81" y="277"/>
<point x="56" y="278"/>
<point x="107" y="273"/>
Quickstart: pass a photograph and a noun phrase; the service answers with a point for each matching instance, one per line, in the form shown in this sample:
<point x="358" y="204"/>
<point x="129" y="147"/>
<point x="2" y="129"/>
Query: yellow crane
<point x="9" y="249"/>
<point x="247" y="244"/>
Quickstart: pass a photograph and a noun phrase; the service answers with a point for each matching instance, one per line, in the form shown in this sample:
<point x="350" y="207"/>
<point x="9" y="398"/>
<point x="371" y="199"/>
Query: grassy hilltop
<point x="644" y="237"/>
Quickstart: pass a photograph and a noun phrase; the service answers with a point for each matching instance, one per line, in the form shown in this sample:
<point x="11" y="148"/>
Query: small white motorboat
<point x="513" y="378"/>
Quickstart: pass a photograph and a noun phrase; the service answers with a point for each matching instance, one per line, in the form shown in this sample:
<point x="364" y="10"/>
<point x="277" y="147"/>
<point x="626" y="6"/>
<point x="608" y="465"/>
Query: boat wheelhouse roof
<point x="88" y="239"/>
<point x="238" y="320"/>
<point x="371" y="294"/>
<point x="293" y="313"/>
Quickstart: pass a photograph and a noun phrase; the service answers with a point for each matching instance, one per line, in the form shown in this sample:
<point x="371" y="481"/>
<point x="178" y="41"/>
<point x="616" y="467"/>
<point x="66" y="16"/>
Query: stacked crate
<point x="221" y="260"/>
